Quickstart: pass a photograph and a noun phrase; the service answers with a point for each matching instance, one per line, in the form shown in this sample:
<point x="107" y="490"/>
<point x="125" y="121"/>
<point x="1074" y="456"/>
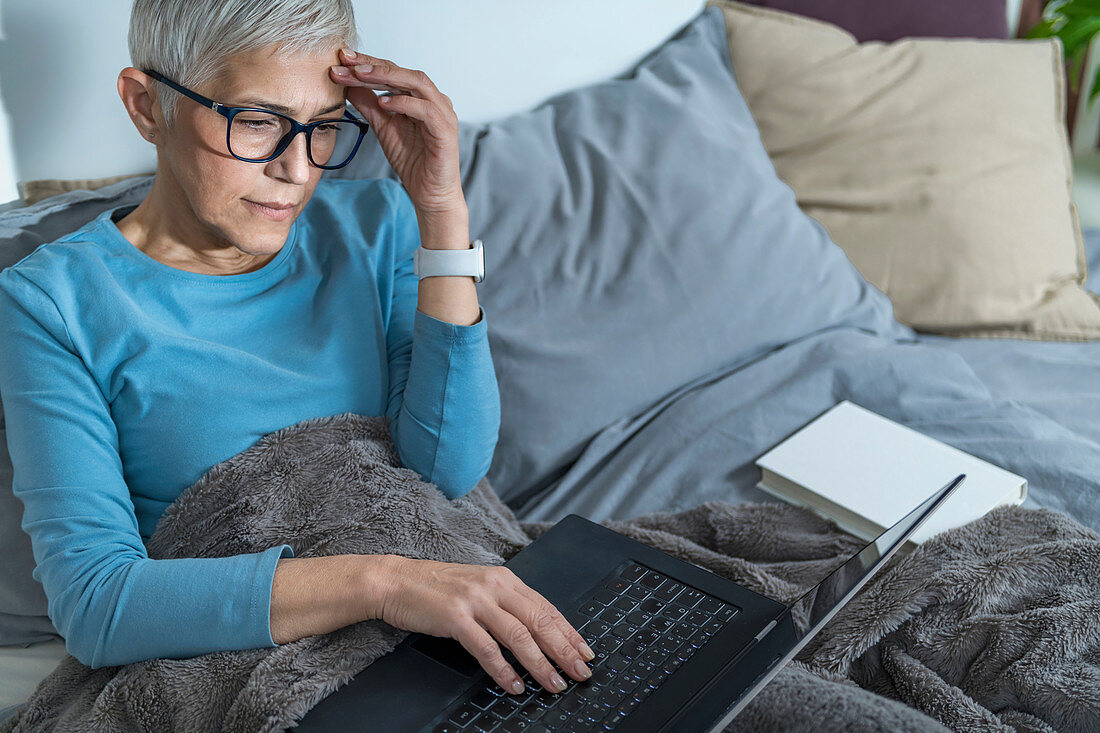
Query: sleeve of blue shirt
<point x="110" y="601"/>
<point x="443" y="403"/>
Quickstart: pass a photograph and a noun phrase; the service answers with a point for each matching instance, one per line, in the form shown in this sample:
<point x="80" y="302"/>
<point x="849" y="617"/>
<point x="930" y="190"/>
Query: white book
<point x="865" y="472"/>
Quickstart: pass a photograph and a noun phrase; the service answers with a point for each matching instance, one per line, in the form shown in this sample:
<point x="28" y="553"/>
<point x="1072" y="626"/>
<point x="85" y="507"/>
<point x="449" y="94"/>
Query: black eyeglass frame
<point x="295" y="127"/>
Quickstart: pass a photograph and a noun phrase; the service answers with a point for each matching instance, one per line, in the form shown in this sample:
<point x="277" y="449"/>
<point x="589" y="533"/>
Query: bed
<point x="704" y="388"/>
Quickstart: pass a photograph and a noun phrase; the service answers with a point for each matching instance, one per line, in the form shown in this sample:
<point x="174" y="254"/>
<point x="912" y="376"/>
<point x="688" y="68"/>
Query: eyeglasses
<point x="257" y="135"/>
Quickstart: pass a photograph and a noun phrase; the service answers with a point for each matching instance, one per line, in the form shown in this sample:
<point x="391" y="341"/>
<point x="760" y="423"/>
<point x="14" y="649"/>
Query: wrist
<point x="445" y="230"/>
<point x="378" y="581"/>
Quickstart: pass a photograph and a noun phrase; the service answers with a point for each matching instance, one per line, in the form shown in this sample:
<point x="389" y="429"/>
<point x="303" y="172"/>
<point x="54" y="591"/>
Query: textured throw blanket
<point x="991" y="627"/>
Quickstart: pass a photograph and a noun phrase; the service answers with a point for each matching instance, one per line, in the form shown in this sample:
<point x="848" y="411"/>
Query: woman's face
<point x="226" y="194"/>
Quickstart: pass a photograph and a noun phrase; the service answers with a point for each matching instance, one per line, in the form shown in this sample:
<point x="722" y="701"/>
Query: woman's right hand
<point x="479" y="606"/>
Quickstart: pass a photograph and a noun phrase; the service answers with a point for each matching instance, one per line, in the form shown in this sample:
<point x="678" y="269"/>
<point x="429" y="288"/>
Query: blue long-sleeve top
<point x="124" y="380"/>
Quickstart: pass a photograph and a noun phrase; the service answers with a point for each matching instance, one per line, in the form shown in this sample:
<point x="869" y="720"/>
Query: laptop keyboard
<point x="642" y="626"/>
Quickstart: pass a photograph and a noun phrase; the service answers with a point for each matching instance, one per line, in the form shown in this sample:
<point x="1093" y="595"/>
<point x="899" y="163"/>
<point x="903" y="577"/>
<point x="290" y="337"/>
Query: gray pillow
<point x="23" y="618"/>
<point x="637" y="239"/>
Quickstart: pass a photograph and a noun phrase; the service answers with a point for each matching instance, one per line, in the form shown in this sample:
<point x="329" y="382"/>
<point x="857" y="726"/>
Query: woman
<point x="243" y="295"/>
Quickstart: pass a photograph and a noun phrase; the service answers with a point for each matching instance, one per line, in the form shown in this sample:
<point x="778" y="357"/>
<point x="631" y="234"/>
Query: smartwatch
<point x="435" y="262"/>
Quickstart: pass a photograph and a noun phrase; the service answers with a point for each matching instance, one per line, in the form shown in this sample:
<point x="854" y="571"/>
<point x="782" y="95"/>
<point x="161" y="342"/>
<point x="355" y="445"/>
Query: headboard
<point x="59" y="61"/>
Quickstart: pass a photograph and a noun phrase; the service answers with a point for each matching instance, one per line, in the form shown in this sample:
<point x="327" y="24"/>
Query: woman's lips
<point x="270" y="211"/>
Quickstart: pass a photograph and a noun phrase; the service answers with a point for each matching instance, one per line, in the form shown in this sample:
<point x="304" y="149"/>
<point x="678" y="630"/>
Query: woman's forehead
<point x="291" y="82"/>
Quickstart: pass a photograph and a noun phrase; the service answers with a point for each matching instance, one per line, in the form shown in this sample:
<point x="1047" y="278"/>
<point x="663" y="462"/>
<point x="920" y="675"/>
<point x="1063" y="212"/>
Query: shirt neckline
<point x="127" y="247"/>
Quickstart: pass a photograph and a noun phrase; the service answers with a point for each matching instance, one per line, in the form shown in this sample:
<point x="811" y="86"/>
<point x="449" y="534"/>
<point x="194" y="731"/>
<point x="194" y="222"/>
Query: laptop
<point x="678" y="648"/>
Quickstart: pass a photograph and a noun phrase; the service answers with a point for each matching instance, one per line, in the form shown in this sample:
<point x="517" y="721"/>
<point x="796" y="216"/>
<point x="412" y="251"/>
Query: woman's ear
<point x="134" y="88"/>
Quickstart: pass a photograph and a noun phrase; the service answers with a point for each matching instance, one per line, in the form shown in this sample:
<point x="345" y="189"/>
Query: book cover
<point x="865" y="472"/>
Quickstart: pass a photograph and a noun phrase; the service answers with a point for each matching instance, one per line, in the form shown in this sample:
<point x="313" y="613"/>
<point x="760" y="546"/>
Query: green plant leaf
<point x="1077" y="34"/>
<point x="1074" y="8"/>
<point x="1044" y="29"/>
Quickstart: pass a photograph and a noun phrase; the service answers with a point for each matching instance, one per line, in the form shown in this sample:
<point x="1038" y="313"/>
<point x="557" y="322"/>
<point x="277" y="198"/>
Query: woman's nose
<point x="293" y="164"/>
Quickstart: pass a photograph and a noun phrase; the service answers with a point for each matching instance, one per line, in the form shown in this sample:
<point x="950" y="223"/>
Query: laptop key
<point x="484" y="698"/>
<point x="515" y="725"/>
<point x="609" y="697"/>
<point x="669" y="591"/>
<point x="652" y="580"/>
<point x="591" y="609"/>
<point x="484" y="724"/>
<point x="697" y="618"/>
<point x="592" y="713"/>
<point x="530" y="712"/>
<point x="623" y="631"/>
<point x="605" y="597"/>
<point x="618" y="587"/>
<point x="659" y="624"/>
<point x="674" y="612"/>
<point x="607" y="644"/>
<point x="611" y="615"/>
<point x="595" y="628"/>
<point x="637" y="591"/>
<point x="633" y="572"/>
<point x="446" y="728"/>
<point x="626" y="604"/>
<point x="556" y="719"/>
<point x="710" y="605"/>
<point x="464" y="715"/>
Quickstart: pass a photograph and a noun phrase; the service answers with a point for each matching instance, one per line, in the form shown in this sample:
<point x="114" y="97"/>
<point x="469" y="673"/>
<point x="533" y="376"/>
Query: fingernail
<point x="557" y="682"/>
<point x="586" y="652"/>
<point x="517" y="686"/>
<point x="582" y="669"/>
<point x="340" y="70"/>
<point x="349" y="53"/>
<point x="365" y="68"/>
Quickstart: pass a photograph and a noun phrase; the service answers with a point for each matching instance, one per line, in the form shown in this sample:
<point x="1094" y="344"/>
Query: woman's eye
<point x="254" y="124"/>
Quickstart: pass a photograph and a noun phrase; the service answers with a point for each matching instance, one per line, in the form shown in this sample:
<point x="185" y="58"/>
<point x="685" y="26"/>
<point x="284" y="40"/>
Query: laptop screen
<point x="800" y="621"/>
<point x="816" y="604"/>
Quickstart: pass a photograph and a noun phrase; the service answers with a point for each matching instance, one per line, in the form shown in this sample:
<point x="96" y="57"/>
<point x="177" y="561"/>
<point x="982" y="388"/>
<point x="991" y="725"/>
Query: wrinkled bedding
<point x="1032" y="407"/>
<point x="991" y="625"/>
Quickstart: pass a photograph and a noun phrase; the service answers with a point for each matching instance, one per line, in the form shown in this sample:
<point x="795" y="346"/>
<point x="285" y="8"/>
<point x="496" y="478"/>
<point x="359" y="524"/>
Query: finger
<point x="568" y="631"/>
<point x="509" y="630"/>
<point x="548" y="627"/>
<point x="485" y="649"/>
<point x="343" y="75"/>
<point x="440" y="125"/>
<point x="414" y="81"/>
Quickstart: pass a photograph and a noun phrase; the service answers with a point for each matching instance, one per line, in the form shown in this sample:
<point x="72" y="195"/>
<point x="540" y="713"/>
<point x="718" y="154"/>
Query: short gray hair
<point x="188" y="41"/>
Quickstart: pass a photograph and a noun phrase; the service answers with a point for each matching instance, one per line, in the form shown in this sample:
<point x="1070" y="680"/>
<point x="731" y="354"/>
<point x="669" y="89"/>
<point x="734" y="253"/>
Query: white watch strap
<point x="433" y="262"/>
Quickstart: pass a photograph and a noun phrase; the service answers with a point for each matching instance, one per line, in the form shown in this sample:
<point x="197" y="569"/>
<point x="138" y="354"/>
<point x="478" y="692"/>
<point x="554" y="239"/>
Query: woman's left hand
<point x="416" y="127"/>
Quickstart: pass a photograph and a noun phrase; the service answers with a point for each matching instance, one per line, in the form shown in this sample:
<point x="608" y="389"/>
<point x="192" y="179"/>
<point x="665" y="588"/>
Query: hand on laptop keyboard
<point x="482" y="607"/>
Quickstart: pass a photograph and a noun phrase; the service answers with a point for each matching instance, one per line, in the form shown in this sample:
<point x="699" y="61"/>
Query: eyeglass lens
<point x="256" y="135"/>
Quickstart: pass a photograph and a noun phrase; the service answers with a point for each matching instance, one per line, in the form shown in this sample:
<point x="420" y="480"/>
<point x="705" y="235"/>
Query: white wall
<point x="61" y="58"/>
<point x="8" y="190"/>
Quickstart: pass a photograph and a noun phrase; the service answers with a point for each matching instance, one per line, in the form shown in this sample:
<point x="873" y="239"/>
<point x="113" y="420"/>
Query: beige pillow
<point x="35" y="191"/>
<point x="940" y="166"/>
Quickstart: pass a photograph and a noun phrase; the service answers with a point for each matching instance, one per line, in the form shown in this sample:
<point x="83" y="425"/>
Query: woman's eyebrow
<point x="286" y="110"/>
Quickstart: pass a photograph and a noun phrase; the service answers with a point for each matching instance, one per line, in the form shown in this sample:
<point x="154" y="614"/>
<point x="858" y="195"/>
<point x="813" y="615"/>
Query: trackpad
<point x="448" y="652"/>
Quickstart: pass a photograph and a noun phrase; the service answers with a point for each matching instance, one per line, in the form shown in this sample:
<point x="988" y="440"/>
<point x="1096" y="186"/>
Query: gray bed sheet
<point x="1032" y="407"/>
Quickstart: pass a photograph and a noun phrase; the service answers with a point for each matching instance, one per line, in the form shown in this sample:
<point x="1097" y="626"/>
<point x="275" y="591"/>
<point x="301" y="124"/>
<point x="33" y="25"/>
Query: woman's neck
<point x="165" y="227"/>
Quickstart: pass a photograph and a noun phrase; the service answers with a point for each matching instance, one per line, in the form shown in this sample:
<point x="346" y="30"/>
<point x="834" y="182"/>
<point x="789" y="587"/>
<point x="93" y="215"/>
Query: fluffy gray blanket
<point x="993" y="626"/>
